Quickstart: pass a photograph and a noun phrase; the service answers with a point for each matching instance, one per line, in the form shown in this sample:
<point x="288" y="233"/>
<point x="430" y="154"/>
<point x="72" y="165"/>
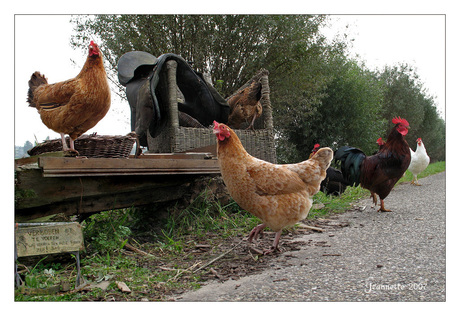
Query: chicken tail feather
<point x="350" y="163"/>
<point x="324" y="157"/>
<point x="35" y="81"/>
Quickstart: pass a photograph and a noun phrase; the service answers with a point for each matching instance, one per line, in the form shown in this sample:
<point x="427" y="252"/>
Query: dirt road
<point x="363" y="255"/>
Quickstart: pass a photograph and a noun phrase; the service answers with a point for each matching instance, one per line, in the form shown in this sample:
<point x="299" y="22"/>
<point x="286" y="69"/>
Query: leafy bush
<point x="107" y="231"/>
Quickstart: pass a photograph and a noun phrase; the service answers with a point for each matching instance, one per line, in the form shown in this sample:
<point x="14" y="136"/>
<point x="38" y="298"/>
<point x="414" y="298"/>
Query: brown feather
<point x="35" y="81"/>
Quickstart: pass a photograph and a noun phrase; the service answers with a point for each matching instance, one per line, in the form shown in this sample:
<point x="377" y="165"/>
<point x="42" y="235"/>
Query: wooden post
<point x="171" y="68"/>
<point x="265" y="100"/>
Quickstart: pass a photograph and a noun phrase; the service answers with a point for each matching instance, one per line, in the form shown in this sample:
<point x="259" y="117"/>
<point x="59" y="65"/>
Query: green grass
<point x="170" y="242"/>
<point x="432" y="168"/>
<point x="336" y="204"/>
<point x="204" y="215"/>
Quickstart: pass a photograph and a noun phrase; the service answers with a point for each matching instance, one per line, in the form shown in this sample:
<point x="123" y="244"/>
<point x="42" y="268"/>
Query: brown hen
<point x="245" y="106"/>
<point x="280" y="195"/>
<point x="73" y="106"/>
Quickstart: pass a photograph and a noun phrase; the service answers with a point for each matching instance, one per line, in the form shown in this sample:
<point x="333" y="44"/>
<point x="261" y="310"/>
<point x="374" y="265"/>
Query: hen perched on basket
<point x="245" y="106"/>
<point x="76" y="105"/>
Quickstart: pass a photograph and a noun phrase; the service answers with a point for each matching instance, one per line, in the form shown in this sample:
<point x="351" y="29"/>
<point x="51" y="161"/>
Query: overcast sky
<point x="379" y="40"/>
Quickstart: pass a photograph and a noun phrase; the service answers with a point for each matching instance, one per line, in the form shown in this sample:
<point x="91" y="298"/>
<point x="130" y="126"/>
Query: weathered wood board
<point x="50" y="185"/>
<point x="58" y="167"/>
<point x="37" y="196"/>
<point x="48" y="238"/>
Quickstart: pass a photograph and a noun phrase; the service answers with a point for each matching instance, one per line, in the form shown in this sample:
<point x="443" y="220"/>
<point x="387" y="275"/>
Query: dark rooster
<point x="380" y="172"/>
<point x="314" y="150"/>
<point x="379" y="142"/>
<point x="334" y="183"/>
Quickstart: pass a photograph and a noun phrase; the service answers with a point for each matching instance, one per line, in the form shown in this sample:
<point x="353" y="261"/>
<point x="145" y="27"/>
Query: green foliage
<point x="107" y="231"/>
<point x="403" y="94"/>
<point x="406" y="97"/>
<point x="229" y="47"/>
<point x="433" y="133"/>
<point x="346" y="115"/>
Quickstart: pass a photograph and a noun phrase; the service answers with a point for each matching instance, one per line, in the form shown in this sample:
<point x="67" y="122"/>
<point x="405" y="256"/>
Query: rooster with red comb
<point x="380" y="172"/>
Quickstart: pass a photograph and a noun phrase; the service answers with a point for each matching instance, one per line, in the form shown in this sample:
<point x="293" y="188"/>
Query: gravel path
<point x="367" y="256"/>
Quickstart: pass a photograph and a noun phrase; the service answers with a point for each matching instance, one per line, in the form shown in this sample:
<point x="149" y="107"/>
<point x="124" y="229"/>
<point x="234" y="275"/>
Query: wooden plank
<point x="74" y="185"/>
<point x="37" y="196"/>
<point x="212" y="149"/>
<point x="25" y="161"/>
<point x="116" y="163"/>
<point x="33" y="159"/>
<point x="114" y="166"/>
<point x="116" y="172"/>
<point x="185" y="155"/>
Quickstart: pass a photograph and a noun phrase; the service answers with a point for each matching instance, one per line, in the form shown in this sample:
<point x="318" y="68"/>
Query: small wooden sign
<point x="49" y="238"/>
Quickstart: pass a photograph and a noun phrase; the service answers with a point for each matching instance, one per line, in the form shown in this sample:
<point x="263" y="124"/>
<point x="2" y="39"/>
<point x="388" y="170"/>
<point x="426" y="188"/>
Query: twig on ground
<point x="310" y="227"/>
<point x="132" y="248"/>
<point x="217" y="258"/>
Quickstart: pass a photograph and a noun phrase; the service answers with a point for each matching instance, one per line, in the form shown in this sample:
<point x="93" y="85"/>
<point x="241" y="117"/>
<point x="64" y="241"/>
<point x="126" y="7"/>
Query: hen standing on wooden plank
<point x="73" y="106"/>
<point x="380" y="172"/>
<point x="420" y="160"/>
<point x="280" y="195"/>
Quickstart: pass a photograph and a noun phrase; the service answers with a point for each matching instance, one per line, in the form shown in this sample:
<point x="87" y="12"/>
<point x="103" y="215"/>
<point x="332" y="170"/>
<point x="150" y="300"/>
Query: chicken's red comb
<point x="316" y="146"/>
<point x="398" y="119"/>
<point x="91" y="43"/>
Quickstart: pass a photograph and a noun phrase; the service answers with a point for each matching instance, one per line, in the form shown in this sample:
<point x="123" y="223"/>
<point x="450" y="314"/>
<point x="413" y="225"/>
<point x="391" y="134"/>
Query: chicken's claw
<point x="275" y="244"/>
<point x="70" y="153"/>
<point x="256" y="231"/>
<point x="374" y="198"/>
<point x="382" y="207"/>
<point x="271" y="250"/>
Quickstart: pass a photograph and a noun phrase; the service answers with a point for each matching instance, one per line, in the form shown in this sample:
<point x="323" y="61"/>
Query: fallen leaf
<point x="123" y="287"/>
<point x="101" y="285"/>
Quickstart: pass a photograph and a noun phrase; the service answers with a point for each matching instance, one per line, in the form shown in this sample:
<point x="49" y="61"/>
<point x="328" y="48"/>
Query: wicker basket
<point x="258" y="142"/>
<point x="92" y="146"/>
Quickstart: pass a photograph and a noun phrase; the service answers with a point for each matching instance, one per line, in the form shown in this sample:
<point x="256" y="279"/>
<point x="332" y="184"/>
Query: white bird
<point x="419" y="161"/>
